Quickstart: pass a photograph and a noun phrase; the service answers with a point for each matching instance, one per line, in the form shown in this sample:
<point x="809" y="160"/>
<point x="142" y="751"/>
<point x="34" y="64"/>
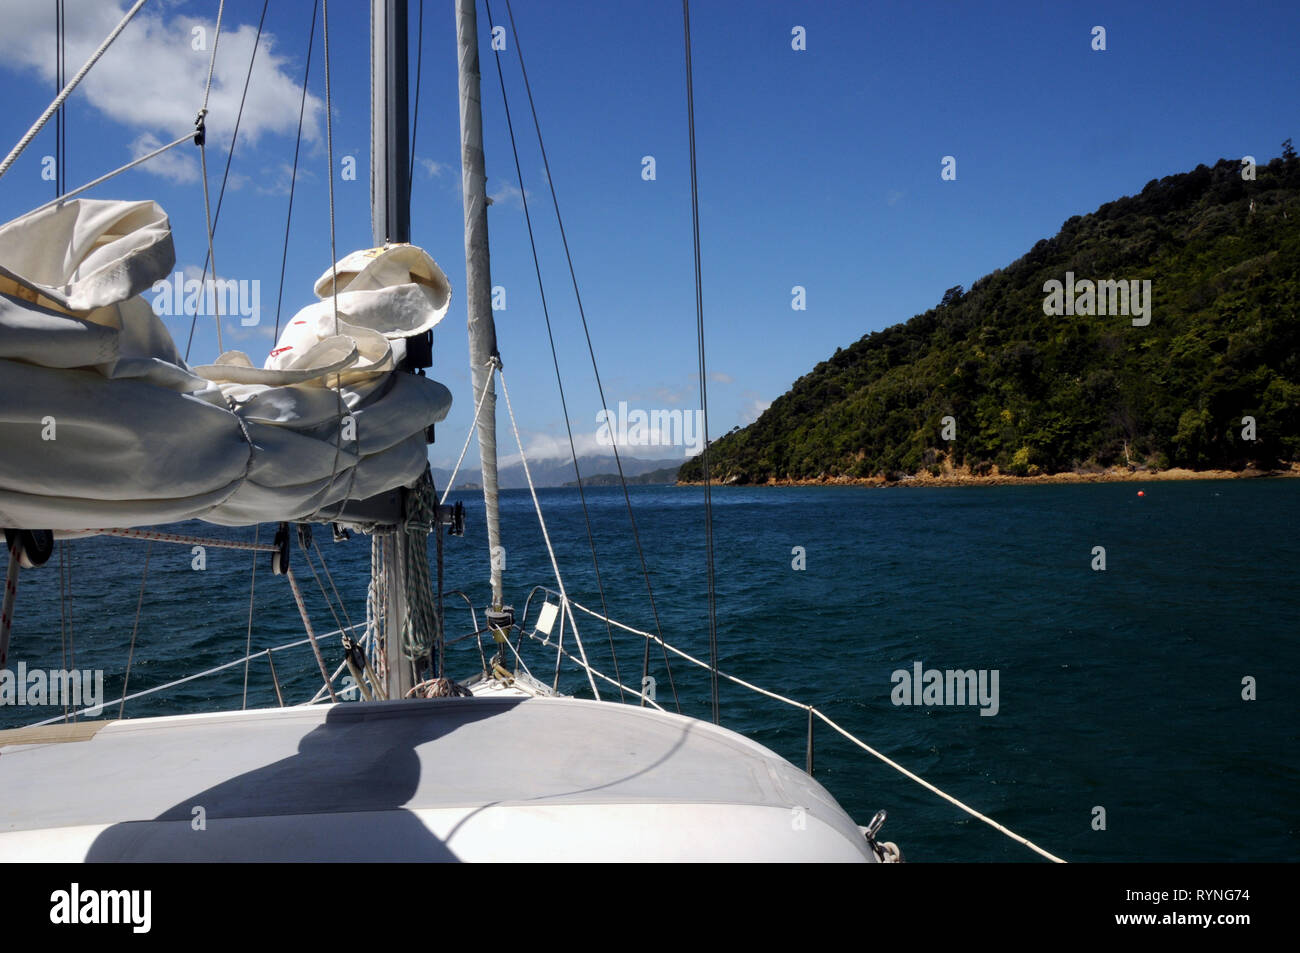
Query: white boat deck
<point x="484" y="778"/>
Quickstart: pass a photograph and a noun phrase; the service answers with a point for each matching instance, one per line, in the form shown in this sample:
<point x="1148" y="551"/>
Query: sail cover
<point x="103" y="424"/>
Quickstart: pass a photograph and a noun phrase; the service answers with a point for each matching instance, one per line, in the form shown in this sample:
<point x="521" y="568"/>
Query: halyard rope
<point x="451" y="480"/>
<point x="545" y="535"/>
<point x="334" y="283"/>
<point x="135" y="627"/>
<point x="203" y="160"/>
<point x="591" y="351"/>
<point x="189" y="136"/>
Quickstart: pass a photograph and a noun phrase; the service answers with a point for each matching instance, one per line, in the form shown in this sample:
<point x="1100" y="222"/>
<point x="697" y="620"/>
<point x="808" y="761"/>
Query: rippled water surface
<point x="1119" y="689"/>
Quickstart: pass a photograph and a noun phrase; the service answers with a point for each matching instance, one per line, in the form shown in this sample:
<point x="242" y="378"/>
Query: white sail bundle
<point x="103" y="424"/>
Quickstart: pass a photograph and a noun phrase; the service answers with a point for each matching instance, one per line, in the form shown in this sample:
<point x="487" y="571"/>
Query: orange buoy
<point x="1141" y="493"/>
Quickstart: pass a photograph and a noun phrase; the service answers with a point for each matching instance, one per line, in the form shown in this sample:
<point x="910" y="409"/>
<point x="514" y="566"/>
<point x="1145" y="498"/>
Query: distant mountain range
<point x="653" y="477"/>
<point x="596" y="470"/>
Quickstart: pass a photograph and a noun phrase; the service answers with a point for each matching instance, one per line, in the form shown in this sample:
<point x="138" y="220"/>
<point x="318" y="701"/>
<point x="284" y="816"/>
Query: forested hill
<point x="1031" y="392"/>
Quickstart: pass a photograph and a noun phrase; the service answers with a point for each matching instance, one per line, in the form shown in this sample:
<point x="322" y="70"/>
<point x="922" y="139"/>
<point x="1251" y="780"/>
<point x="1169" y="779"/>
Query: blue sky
<point x="818" y="168"/>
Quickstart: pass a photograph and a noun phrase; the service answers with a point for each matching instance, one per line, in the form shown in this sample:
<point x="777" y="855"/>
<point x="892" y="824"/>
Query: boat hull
<point x="454" y="779"/>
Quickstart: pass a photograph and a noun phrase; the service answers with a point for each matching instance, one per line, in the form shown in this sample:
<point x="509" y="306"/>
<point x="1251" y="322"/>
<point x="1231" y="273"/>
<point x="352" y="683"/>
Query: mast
<point x="390" y="216"/>
<point x="483" y="356"/>
<point x="390" y="174"/>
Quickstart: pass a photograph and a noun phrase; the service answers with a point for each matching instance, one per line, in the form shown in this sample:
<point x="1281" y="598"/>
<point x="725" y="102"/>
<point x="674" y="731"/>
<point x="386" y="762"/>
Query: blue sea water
<point x="1118" y="689"/>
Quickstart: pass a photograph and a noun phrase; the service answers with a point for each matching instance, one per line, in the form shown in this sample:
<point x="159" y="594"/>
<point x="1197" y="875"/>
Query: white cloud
<point x="715" y="377"/>
<point x="279" y="177"/>
<point x="643" y="441"/>
<point x="431" y="169"/>
<point x="176" y="164"/>
<point x="151" y="80"/>
<point x="752" y="409"/>
<point x="545" y="446"/>
<point x="509" y="194"/>
<point x="668" y="395"/>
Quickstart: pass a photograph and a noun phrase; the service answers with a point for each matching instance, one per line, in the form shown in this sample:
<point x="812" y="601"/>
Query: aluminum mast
<point x="483" y="356"/>
<point x="390" y="216"/>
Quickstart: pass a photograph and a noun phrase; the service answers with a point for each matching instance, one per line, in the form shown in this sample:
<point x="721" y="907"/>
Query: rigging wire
<point x="306" y="557"/>
<point x="135" y="627"/>
<point x="546" y="537"/>
<point x="207" y="203"/>
<point x="37" y="126"/>
<point x="541" y="290"/>
<point x="704" y="380"/>
<point x="248" y="643"/>
<point x="188" y="137"/>
<point x="329" y="150"/>
<point x="213" y="220"/>
<point x="293" y="178"/>
<point x="65" y="602"/>
<point x="636" y="536"/>
<point x="815" y="712"/>
<point x="334" y="280"/>
<point x="473" y="427"/>
<point x="60" y="119"/>
<point x="330" y="576"/>
<point x="415" y="118"/>
<point x="63" y="619"/>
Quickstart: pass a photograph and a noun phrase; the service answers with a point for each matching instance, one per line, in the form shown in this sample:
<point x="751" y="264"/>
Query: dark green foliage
<point x="1036" y="393"/>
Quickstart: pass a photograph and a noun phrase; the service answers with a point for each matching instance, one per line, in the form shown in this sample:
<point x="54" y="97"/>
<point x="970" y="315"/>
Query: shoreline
<point x="957" y="478"/>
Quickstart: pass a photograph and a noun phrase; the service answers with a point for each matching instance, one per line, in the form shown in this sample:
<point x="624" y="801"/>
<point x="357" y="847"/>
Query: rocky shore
<point x="964" y="477"/>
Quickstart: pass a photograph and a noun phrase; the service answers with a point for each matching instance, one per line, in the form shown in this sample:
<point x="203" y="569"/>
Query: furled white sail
<point x="103" y="424"/>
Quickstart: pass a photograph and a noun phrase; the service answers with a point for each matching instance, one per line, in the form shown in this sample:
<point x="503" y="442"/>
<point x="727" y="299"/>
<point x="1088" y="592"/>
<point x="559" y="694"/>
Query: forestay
<point x="103" y="424"/>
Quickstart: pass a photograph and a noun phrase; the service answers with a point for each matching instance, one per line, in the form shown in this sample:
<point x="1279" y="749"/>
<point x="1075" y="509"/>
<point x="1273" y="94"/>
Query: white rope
<point x="320" y="692"/>
<point x="627" y="688"/>
<point x="545" y="535"/>
<point x="520" y="660"/>
<point x="212" y="60"/>
<point x="207" y="214"/>
<point x="182" y="681"/>
<point x="861" y="744"/>
<point x="334" y="280"/>
<point x="329" y="150"/>
<point x="67" y="90"/>
<point x="203" y="161"/>
<point x="451" y="481"/>
<point x="118" y="171"/>
<point x="947" y="797"/>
